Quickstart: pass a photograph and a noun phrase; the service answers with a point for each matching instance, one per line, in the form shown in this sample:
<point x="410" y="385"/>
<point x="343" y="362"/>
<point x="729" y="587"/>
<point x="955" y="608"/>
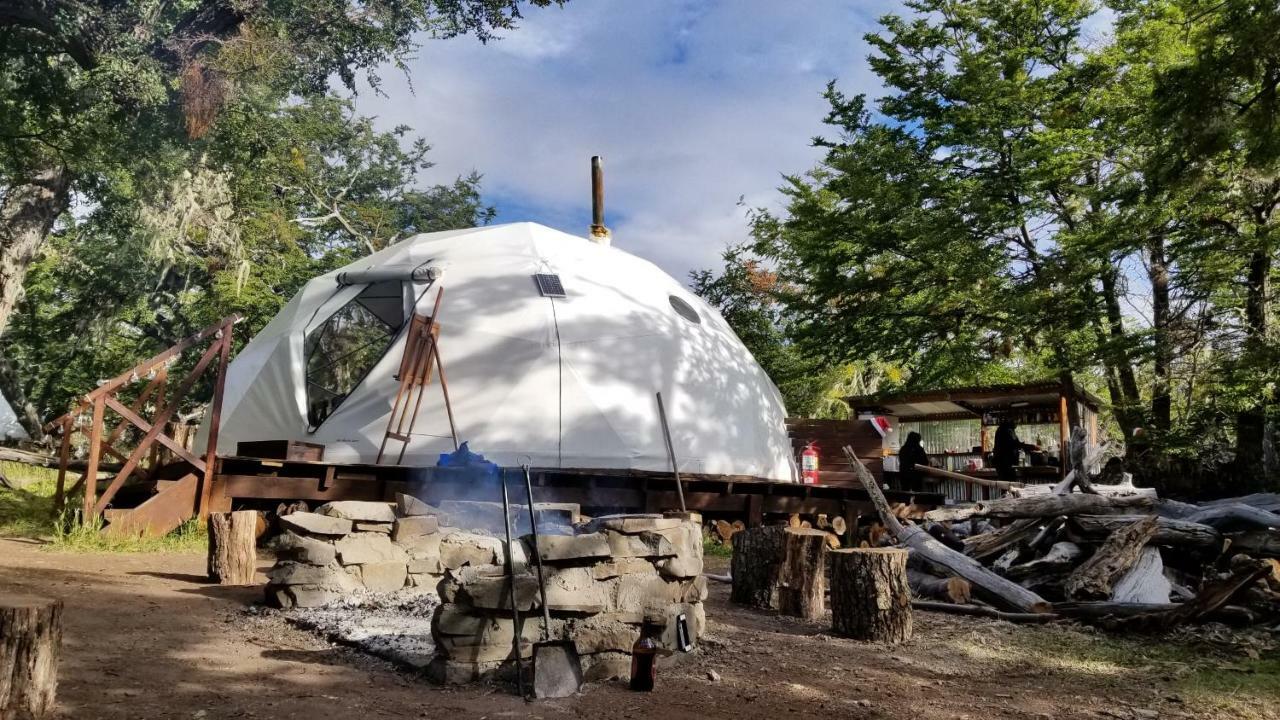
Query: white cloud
<point x="692" y="105"/>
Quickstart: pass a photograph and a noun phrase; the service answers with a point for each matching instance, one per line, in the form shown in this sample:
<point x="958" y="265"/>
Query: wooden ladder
<point x="421" y="352"/>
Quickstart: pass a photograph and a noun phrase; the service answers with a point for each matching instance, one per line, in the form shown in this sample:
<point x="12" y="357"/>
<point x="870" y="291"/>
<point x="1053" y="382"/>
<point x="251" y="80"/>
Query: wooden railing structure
<point x="155" y="434"/>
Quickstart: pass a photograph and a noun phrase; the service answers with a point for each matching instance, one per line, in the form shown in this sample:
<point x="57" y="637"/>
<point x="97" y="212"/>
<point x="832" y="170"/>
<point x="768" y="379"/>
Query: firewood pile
<point x="1112" y="555"/>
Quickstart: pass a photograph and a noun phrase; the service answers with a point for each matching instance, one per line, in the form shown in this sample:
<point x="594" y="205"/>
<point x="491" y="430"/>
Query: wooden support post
<point x="870" y="596"/>
<point x="95" y="454"/>
<point x="215" y="423"/>
<point x="782" y="569"/>
<point x="755" y="510"/>
<point x="1064" y="434"/>
<point x="233" y="559"/>
<point x="30" y="640"/>
<point x="64" y="457"/>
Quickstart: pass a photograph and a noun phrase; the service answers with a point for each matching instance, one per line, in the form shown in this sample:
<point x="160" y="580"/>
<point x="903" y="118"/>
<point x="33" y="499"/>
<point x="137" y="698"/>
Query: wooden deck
<point x="244" y="479"/>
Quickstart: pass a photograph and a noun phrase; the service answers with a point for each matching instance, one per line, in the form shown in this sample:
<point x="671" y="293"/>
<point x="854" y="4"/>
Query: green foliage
<point x="26" y="509"/>
<point x="715" y="548"/>
<point x="70" y="535"/>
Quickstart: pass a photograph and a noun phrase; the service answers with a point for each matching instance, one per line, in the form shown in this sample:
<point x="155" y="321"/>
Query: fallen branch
<point x="981" y="611"/>
<point x="1171" y="532"/>
<point x="1040" y="506"/>
<point x="982" y="482"/>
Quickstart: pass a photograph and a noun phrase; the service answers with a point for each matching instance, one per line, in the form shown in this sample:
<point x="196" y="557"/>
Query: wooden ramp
<point x="164" y="512"/>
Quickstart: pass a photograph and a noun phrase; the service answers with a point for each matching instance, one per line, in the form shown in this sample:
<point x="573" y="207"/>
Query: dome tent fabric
<point x="560" y="381"/>
<point x="10" y="428"/>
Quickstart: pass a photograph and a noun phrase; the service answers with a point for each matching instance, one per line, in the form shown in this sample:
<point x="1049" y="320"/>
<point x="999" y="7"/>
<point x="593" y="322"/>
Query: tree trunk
<point x="1093" y="579"/>
<point x="12" y="390"/>
<point x="30" y="636"/>
<point x="802" y="586"/>
<point x="1162" y="343"/>
<point x="952" y="589"/>
<point x="1251" y="422"/>
<point x="1118" y="353"/>
<point x="780" y="568"/>
<point x="870" y="595"/>
<point x="27" y="214"/>
<point x="233" y="560"/>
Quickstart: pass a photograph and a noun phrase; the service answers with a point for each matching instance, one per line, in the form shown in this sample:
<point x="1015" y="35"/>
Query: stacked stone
<point x="604" y="583"/>
<point x="350" y="547"/>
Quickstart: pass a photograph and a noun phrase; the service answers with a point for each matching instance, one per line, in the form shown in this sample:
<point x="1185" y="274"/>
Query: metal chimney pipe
<point x="599" y="233"/>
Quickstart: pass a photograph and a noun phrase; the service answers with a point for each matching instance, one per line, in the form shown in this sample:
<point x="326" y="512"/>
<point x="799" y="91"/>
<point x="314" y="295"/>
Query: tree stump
<point x="30" y="636"/>
<point x="870" y="596"/>
<point x="233" y="558"/>
<point x="780" y="568"/>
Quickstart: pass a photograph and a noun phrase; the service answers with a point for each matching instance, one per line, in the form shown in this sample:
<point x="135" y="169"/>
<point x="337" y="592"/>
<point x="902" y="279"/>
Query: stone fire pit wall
<point x="605" y="580"/>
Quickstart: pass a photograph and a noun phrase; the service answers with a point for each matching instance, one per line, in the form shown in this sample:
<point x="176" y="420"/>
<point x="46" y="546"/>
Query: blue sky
<point x="692" y="104"/>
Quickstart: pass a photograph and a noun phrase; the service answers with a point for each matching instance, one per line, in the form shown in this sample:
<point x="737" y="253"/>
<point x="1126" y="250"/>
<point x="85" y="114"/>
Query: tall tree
<point x="101" y="98"/>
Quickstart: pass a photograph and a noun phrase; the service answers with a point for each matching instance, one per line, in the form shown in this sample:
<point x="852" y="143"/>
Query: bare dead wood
<point x="949" y="562"/>
<point x="1170" y="532"/>
<point x="870" y="595"/>
<point x="1145" y="581"/>
<point x="981" y="482"/>
<point x="991" y="544"/>
<point x="1263" y="501"/>
<point x="1261" y="543"/>
<point x="1059" y="559"/>
<point x="983" y="611"/>
<point x="1235" y="516"/>
<point x="952" y="589"/>
<point x="46" y="461"/>
<point x="1094" y="578"/>
<point x="1040" y="506"/>
<point x="30" y="644"/>
<point x="233" y="559"/>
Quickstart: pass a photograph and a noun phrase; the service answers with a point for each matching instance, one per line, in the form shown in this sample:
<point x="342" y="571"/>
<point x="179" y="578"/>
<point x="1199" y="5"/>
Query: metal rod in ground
<point x="671" y="452"/>
<point x="511" y="578"/>
<point x="537" y="556"/>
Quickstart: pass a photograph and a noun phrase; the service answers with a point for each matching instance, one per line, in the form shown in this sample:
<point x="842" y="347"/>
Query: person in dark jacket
<point x="1006" y="451"/>
<point x="910" y="455"/>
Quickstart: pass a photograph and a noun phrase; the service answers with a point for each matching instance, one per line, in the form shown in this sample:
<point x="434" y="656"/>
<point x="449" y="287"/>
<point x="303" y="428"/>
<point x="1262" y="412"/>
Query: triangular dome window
<point x="342" y="350"/>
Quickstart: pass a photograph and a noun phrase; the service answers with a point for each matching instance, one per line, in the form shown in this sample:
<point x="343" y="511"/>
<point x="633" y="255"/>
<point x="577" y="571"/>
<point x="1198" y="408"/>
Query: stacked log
<point x="1115" y="555"/>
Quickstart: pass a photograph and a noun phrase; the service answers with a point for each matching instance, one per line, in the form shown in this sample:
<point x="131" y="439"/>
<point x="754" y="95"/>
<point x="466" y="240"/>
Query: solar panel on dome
<point x="549" y="285"/>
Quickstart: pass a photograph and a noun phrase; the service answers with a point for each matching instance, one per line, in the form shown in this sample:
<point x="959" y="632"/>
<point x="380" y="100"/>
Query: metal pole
<point x="537" y="556"/>
<point x="511" y="578"/>
<point x="671" y="452"/>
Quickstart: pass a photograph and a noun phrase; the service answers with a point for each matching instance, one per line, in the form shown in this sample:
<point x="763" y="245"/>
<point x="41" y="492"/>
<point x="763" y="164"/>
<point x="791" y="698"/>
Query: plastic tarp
<point x="563" y="382"/>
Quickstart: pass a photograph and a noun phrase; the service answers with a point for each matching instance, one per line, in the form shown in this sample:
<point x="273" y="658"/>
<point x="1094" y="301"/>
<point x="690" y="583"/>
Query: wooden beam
<point x="95" y="452"/>
<point x="132" y="417"/>
<point x="215" y="425"/>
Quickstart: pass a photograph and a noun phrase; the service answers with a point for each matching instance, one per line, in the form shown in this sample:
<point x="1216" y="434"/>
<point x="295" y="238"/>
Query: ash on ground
<point x="393" y="626"/>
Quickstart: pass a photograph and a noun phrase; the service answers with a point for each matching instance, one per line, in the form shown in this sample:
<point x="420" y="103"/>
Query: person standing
<point x="910" y="456"/>
<point x="1007" y="451"/>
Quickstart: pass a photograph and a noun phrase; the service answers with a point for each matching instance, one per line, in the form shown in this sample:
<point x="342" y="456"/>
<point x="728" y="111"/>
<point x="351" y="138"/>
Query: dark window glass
<point x="342" y="350"/>
<point x="685" y="310"/>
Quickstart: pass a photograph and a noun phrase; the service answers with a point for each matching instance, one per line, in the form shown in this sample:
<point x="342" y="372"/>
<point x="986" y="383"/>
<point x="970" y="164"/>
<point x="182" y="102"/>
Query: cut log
<point x="233" y="559"/>
<point x="724" y="531"/>
<point x="1041" y="506"/>
<point x="1170" y="532"/>
<point x="983" y="611"/>
<point x="30" y="642"/>
<point x="1125" y="489"/>
<point x="802" y="585"/>
<point x="1261" y="543"/>
<point x="780" y="568"/>
<point x="839" y="526"/>
<point x="1094" y="578"/>
<point x="946" y="561"/>
<point x="952" y="589"/>
<point x="1145" y="581"/>
<point x="870" y="595"/>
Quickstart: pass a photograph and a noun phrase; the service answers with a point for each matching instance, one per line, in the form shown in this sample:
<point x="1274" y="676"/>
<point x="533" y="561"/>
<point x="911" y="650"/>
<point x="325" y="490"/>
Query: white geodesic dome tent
<point x="10" y="429"/>
<point x="568" y="382"/>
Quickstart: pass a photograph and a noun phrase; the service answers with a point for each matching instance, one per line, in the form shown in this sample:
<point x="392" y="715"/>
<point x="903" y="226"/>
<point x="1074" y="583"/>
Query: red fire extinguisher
<point x="809" y="464"/>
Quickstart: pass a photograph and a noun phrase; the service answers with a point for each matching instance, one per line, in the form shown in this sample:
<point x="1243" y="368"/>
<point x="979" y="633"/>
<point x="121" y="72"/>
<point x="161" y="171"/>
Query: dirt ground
<point x="146" y="637"/>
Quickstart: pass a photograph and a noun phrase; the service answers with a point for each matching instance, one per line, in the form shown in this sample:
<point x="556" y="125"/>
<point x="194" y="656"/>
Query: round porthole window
<point x="685" y="310"/>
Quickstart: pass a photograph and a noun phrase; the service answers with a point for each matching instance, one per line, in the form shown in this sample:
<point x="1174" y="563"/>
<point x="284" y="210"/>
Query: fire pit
<point x="379" y="576"/>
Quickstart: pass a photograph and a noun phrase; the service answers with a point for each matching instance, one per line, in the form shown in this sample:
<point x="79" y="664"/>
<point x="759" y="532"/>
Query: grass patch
<point x="27" y="512"/>
<point x="72" y="536"/>
<point x="1218" y="679"/>
<point x="711" y="548"/>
